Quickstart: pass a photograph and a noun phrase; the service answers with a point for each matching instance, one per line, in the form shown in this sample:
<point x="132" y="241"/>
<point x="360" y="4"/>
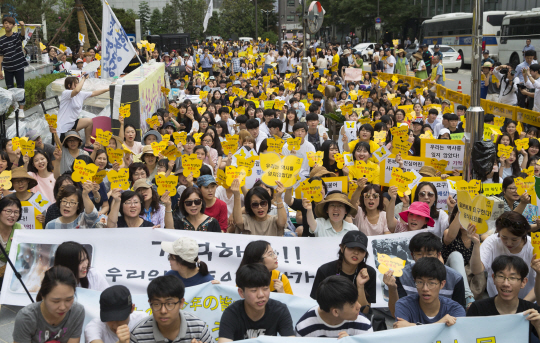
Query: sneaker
<point x="12" y="115"/>
<point x="21" y="113"/>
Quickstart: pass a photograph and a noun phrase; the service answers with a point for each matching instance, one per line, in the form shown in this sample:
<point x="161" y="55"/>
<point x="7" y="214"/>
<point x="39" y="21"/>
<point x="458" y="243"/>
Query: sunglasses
<point x="424" y="193"/>
<point x="369" y="196"/>
<point x="263" y="203"/>
<point x="190" y="203"/>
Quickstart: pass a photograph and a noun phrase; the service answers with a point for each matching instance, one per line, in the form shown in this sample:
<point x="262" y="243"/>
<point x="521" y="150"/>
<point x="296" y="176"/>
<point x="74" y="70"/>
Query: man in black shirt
<point x="135" y="62"/>
<point x="12" y="58"/>
<point x="510" y="276"/>
<point x="256" y="314"/>
<point x="453" y="120"/>
<point x="426" y="56"/>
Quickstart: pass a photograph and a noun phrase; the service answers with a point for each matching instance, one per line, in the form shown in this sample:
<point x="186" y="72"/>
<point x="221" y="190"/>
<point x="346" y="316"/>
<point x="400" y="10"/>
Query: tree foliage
<point x="238" y="18"/>
<point x="214" y="25"/>
<point x="154" y="24"/>
<point x="191" y="14"/>
<point x="144" y="15"/>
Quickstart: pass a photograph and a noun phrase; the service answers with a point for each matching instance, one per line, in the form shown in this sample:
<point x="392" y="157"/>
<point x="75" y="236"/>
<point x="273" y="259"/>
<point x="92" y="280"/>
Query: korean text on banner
<point x="117" y="50"/>
<point x="298" y="259"/>
<point x="452" y="151"/>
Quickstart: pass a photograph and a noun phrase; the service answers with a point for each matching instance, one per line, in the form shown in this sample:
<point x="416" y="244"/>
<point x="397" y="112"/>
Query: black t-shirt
<point x="331" y="268"/>
<point x="486" y="307"/>
<point x="297" y="206"/>
<point x="134" y="64"/>
<point x="236" y="325"/>
<point x="457" y="130"/>
<point x="122" y="223"/>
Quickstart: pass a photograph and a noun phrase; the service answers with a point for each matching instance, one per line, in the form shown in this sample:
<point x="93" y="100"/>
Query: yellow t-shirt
<point x="286" y="284"/>
<point x="335" y="60"/>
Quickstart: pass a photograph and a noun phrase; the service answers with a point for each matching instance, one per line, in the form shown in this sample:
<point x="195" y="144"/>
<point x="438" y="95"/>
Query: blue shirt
<point x="519" y="69"/>
<point x="206" y="61"/>
<point x="440" y="67"/>
<point x="408" y="308"/>
<point x="195" y="280"/>
<point x="483" y="89"/>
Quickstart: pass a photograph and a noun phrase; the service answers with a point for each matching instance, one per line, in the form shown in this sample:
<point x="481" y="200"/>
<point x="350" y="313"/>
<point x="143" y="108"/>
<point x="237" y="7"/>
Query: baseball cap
<point x="355" y="239"/>
<point x="115" y="304"/>
<point x="436" y="46"/>
<point x="205" y="181"/>
<point x="186" y="55"/>
<point x="141" y="183"/>
<point x="185" y="247"/>
<point x="32" y="135"/>
<point x="79" y="60"/>
<point x="418" y="121"/>
<point x="485" y="52"/>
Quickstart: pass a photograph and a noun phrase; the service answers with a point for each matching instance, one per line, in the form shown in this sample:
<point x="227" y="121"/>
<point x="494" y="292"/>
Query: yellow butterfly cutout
<point x="278" y="104"/>
<point x="519" y="128"/>
<point x="476" y="211"/>
<point x="312" y="190"/>
<point x="275" y="144"/>
<point x="379" y="136"/>
<point x="5" y="179"/>
<point x="232" y="173"/>
<point x="248" y="163"/>
<point x="402" y="181"/>
<point x="27" y="147"/>
<point x="180" y="137"/>
<point x="197" y="137"/>
<point x="203" y="94"/>
<point x="400" y="146"/>
<point x="221" y="178"/>
<point x="504" y="150"/>
<point x="386" y="263"/>
<point x="400" y="131"/>
<point x="346" y="110"/>
<point x="83" y="172"/>
<point x="103" y="137"/>
<point x="294" y="143"/>
<point x="276" y="169"/>
<point x="100" y="175"/>
<point x="171" y="153"/>
<point x="522" y="144"/>
<point x="499" y="121"/>
<point x="158" y="147"/>
<point x="51" y="120"/>
<point x="119" y="179"/>
<point x="115" y="155"/>
<point x="166" y="183"/>
<point x="152" y="121"/>
<point x="191" y="164"/>
<point x="364" y="169"/>
<point x="440" y="165"/>
<point x="173" y="109"/>
<point x="315" y="158"/>
<point x="165" y="90"/>
<point x="340" y="160"/>
<point x="529" y="171"/>
<point x="473" y="187"/>
<point x="125" y="111"/>
<point x="526" y="185"/>
<point x="427" y="135"/>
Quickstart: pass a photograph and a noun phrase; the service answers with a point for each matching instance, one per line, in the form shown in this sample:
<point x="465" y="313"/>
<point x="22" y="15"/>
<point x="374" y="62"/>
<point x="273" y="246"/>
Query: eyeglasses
<point x="337" y="206"/>
<point x="207" y="141"/>
<point x="190" y="143"/>
<point x="19" y="180"/>
<point x="271" y="253"/>
<point x="69" y="203"/>
<point x="132" y="203"/>
<point x="512" y="189"/>
<point x="428" y="254"/>
<point x="430" y="285"/>
<point x="502" y="278"/>
<point x="158" y="306"/>
<point x="263" y="203"/>
<point x="372" y="195"/>
<point x="195" y="202"/>
<point x="428" y="194"/>
<point x="11" y="212"/>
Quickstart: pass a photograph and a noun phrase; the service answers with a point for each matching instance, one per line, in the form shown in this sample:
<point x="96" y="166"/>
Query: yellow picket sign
<point x="119" y="179"/>
<point x="166" y="183"/>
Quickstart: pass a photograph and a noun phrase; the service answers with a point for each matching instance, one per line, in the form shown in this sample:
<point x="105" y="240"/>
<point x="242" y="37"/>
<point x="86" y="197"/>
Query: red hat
<point x="420" y="209"/>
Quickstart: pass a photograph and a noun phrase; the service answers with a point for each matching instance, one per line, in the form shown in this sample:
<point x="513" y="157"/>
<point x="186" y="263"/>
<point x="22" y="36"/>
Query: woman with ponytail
<point x="185" y="262"/>
<point x="55" y="316"/>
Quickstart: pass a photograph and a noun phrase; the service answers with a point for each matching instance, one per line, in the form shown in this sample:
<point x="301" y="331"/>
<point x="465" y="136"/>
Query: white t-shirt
<point x="325" y="229"/>
<point x="221" y="194"/>
<point x="301" y="153"/>
<point x="261" y="137"/>
<point x="390" y="69"/>
<point x="98" y="330"/>
<point x="70" y="108"/>
<point x="492" y="248"/>
<point x="441" y="224"/>
<point x="96" y="280"/>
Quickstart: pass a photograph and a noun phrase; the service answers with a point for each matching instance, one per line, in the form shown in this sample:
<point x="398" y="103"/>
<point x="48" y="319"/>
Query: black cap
<point x="355" y="239"/>
<point x="486" y="52"/>
<point x="115" y="304"/>
<point x="436" y="46"/>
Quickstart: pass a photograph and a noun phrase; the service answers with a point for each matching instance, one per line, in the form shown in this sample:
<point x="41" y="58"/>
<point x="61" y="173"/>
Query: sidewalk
<point x="7" y="321"/>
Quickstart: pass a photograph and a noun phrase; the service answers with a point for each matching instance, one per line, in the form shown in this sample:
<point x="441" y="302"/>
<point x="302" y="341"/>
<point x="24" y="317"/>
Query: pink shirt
<point x="45" y="186"/>
<point x="136" y="149"/>
<point x="363" y="224"/>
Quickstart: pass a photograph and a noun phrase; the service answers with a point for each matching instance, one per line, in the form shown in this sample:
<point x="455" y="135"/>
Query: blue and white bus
<point x="515" y="30"/>
<point x="455" y="30"/>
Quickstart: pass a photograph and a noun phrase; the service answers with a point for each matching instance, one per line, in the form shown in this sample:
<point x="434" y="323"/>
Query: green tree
<point x="126" y="18"/>
<point x="238" y="17"/>
<point x="214" y="25"/>
<point x="144" y="15"/>
<point x="154" y="24"/>
<point x="170" y="22"/>
<point x="191" y="13"/>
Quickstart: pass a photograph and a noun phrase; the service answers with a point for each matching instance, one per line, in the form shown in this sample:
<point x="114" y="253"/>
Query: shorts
<point x="74" y="128"/>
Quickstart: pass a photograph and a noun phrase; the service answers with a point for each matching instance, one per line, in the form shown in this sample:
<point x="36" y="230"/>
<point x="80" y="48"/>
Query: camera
<point x="504" y="71"/>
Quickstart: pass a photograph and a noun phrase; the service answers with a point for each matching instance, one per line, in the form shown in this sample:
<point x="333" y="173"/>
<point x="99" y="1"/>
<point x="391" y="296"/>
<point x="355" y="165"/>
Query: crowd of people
<point x="225" y="91"/>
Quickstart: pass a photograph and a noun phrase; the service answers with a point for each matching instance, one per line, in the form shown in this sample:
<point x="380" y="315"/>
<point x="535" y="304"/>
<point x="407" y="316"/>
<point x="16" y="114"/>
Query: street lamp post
<point x="267" y="13"/>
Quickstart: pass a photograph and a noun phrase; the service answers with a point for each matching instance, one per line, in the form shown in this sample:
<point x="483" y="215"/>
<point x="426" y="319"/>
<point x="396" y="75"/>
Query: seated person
<point x="257" y="314"/>
<point x="337" y="315"/>
<point x="168" y="323"/>
<point x="509" y="275"/>
<point x="425" y="244"/>
<point x="117" y="317"/>
<point x="427" y="306"/>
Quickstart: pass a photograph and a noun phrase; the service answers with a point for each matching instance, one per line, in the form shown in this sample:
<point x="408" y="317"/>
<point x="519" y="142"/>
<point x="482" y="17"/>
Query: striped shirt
<point x="11" y="49"/>
<point x="312" y="325"/>
<point x="190" y="327"/>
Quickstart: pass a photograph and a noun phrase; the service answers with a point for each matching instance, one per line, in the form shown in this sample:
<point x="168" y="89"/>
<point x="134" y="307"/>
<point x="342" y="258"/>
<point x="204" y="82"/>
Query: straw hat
<point x="336" y="197"/>
<point x="417" y="55"/>
<point x="71" y="134"/>
<point x="320" y="171"/>
<point x="141" y="183"/>
<point x="20" y="173"/>
<point x="147" y="149"/>
<point x="428" y="171"/>
<point x="400" y="51"/>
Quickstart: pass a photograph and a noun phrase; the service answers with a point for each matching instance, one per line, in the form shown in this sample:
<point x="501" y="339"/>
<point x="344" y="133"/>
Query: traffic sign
<point x="378" y="20"/>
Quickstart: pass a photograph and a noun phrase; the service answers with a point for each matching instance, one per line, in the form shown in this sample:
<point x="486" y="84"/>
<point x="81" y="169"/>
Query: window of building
<point x="290" y="18"/>
<point x="291" y="3"/>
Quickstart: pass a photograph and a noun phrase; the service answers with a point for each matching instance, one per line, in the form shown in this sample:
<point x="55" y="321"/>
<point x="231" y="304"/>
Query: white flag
<point x="116" y="49"/>
<point x="208" y="14"/>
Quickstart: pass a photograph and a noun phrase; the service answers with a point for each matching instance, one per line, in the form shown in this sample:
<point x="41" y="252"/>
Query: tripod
<point x="16" y="272"/>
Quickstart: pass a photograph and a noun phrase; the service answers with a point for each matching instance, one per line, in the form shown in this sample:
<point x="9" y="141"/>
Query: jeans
<point x="19" y="77"/>
<point x="456" y="262"/>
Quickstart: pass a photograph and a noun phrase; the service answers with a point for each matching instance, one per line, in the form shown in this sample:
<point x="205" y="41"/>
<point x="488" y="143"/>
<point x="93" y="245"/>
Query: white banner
<point x="116" y="48"/>
<point x="139" y="258"/>
<point x="208" y="14"/>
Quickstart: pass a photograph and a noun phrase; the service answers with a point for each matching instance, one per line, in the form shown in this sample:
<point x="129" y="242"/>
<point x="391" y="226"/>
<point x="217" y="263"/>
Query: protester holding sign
<point x="154" y="212"/>
<point x="331" y="213"/>
<point x="351" y="263"/>
<point x="77" y="211"/>
<point x="55" y="312"/>
<point x="41" y="169"/>
<point x="512" y="239"/>
<point x="370" y="219"/>
<point x="262" y="252"/>
<point x="512" y="200"/>
<point x="417" y="216"/>
<point x="10" y="214"/>
<point x="193" y="207"/>
<point x="130" y="206"/>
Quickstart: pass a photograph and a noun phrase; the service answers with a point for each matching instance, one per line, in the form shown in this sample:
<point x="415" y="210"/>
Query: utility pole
<point x="256" y="21"/>
<point x="267" y="13"/>
<point x="280" y="23"/>
<point x="305" y="75"/>
<point x="474" y="129"/>
<point x="82" y="24"/>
